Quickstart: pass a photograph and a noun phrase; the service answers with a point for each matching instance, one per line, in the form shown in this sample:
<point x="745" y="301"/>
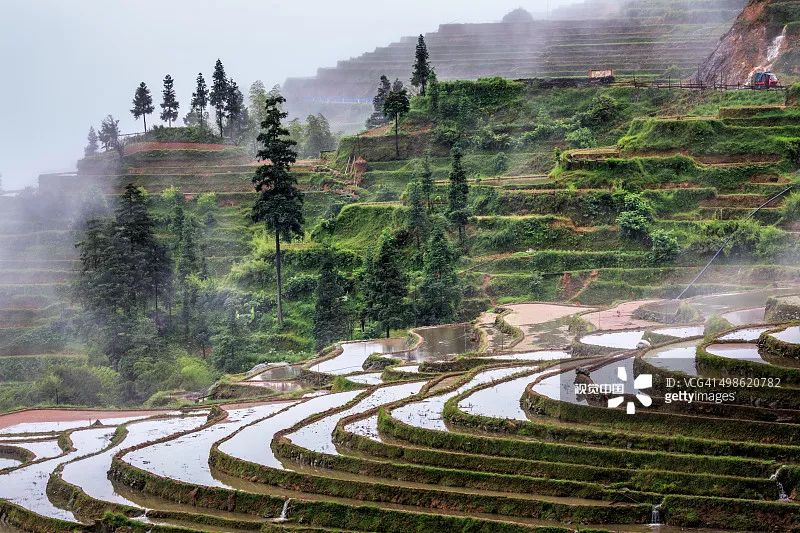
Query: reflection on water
<point x="622" y="340"/>
<point x="43" y="449"/>
<point x="9" y="463"/>
<point x="427" y="413"/>
<point x="52" y="427"/>
<point x="675" y="357"/>
<point x="681" y="332"/>
<point x="90" y="474"/>
<point x="318" y="436"/>
<point x="253" y="442"/>
<point x="544" y="355"/>
<point x="27" y="486"/>
<point x="791" y="335"/>
<point x="186" y="458"/>
<point x="373" y="378"/>
<point x="443" y="341"/>
<point x="501" y="400"/>
<point x="741" y="351"/>
<point x="355" y="353"/>
<point x="746" y="316"/>
<point x="744" y="335"/>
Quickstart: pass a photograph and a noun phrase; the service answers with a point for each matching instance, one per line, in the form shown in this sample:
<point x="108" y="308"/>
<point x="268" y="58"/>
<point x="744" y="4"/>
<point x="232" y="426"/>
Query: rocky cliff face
<point x="764" y="37"/>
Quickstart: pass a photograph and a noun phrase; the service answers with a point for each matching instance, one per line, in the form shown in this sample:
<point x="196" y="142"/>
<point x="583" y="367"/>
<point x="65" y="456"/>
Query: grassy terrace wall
<point x="663" y="482"/>
<point x="704" y="427"/>
<point x="714" y="365"/>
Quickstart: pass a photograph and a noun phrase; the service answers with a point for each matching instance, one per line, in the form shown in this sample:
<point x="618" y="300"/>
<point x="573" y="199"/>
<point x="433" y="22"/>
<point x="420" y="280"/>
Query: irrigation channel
<point x="435" y="433"/>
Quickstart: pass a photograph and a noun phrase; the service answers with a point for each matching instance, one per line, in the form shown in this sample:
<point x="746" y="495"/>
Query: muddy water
<point x="544" y="355"/>
<point x="427" y="413"/>
<point x="723" y="303"/>
<point x="253" y="442"/>
<point x="355" y="353"/>
<point x="44" y="449"/>
<point x="318" y="436"/>
<point x="373" y="378"/>
<point x="443" y="341"/>
<point x="57" y="427"/>
<point x="790" y="335"/>
<point x="746" y="316"/>
<point x="744" y="335"/>
<point x="500" y="400"/>
<point x="186" y="458"/>
<point x="90" y="474"/>
<point x="675" y="357"/>
<point x="277" y="373"/>
<point x="742" y="352"/>
<point x="27" y="486"/>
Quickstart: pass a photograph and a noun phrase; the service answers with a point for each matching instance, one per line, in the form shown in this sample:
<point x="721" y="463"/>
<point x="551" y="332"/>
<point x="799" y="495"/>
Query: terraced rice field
<point x="517" y="442"/>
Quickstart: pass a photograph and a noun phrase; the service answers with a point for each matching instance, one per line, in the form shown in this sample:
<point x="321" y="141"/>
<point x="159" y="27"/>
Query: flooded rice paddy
<point x="679" y="357"/>
<point x="441" y="342"/>
<point x="740" y="351"/>
<point x="354" y="354"/>
<point x="744" y="335"/>
<point x="501" y="400"/>
<point x="27" y="486"/>
<point x="253" y="442"/>
<point x="42" y="449"/>
<point x="317" y="436"/>
<point x="427" y="413"/>
<point x="186" y="458"/>
<point x="372" y="378"/>
<point x="90" y="473"/>
<point x="543" y="355"/>
<point x="790" y="335"/>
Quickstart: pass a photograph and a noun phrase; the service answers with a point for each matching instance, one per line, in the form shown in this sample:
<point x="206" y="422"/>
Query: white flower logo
<point x="643" y="381"/>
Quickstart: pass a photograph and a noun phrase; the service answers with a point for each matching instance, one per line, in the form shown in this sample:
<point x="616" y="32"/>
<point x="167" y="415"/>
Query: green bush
<point x="665" y="247"/>
<point x="715" y="325"/>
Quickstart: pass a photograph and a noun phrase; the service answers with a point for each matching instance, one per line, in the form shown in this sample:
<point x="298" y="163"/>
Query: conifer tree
<point x="91" y="148"/>
<point x="418" y="221"/>
<point x="433" y="93"/>
<point x="385" y="286"/>
<point x="332" y="317"/>
<point x="458" y="194"/>
<point x="109" y="134"/>
<point x="318" y="136"/>
<point x="142" y="103"/>
<point x="219" y="94"/>
<point x="440" y="291"/>
<point x="170" y="105"/>
<point x="280" y="202"/>
<point x="200" y="99"/>
<point x="422" y="67"/>
<point x="236" y="111"/>
<point x="378" y="118"/>
<point x="426" y="182"/>
<point x="396" y="105"/>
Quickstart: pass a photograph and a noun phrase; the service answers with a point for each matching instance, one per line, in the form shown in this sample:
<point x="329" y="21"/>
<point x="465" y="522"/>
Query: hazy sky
<point x="68" y="63"/>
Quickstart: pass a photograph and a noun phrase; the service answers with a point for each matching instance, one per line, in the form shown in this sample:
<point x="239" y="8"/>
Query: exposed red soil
<point x="151" y="146"/>
<point x="66" y="415"/>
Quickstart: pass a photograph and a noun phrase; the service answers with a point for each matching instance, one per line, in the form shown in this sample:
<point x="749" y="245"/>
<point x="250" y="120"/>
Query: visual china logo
<point x="642" y="382"/>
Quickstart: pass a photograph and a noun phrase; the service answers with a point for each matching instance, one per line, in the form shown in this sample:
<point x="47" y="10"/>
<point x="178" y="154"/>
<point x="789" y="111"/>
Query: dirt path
<point x="67" y="415"/>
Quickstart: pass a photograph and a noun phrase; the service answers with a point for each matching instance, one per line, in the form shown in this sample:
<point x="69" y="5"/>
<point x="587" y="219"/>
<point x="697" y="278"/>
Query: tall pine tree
<point x="426" y="182"/>
<point x="219" y="94"/>
<point x="236" y="111"/>
<point x="418" y="221"/>
<point x="142" y="103"/>
<point x="280" y="202"/>
<point x="396" y="105"/>
<point x="200" y="99"/>
<point x="458" y="194"/>
<point x="169" y="105"/>
<point x="91" y="148"/>
<point x="422" y="67"/>
<point x="332" y="317"/>
<point x="109" y="134"/>
<point x="385" y="286"/>
<point x="378" y="118"/>
<point x="440" y="291"/>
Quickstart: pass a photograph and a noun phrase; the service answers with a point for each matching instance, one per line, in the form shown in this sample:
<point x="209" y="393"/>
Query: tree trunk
<point x="397" y="135"/>
<point x="278" y="275"/>
<point x="387" y="332"/>
<point x="144" y="119"/>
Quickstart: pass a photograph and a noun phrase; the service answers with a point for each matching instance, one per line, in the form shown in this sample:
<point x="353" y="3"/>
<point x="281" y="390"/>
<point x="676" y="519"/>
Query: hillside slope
<point x="764" y="37"/>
